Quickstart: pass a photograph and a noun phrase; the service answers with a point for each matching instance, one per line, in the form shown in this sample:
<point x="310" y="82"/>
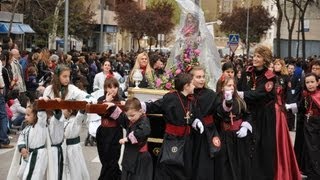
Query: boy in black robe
<point x="181" y="115"/>
<point x="137" y="161"/>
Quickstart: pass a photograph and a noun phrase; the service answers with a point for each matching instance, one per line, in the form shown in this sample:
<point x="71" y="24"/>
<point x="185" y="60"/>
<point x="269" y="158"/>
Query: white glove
<point x="228" y="95"/>
<point x="241" y="94"/>
<point x="293" y="107"/>
<point x="288" y="106"/>
<point x="197" y="125"/>
<point x="242" y="132"/>
<point x="41" y="83"/>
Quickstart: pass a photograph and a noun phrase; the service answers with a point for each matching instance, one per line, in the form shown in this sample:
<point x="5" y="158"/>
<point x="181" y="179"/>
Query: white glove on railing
<point x="197" y="125"/>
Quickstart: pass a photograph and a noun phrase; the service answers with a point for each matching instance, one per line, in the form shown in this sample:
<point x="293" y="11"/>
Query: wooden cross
<point x="308" y="115"/>
<point x="231" y="117"/>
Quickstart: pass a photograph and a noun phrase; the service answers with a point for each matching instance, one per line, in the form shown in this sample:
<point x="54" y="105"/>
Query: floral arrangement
<point x="184" y="63"/>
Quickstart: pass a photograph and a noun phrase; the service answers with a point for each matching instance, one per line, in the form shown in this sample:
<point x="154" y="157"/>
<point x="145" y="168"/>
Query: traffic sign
<point x="234" y="38"/>
<point x="233" y="47"/>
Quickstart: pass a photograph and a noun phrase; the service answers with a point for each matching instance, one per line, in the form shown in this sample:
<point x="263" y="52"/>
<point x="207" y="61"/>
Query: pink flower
<point x="178" y="71"/>
<point x="168" y="85"/>
<point x="197" y="52"/>
<point x="185" y="55"/>
<point x="158" y="82"/>
<point x="187" y="60"/>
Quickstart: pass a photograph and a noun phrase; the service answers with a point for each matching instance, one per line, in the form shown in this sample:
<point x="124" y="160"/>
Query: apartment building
<point x="113" y="37"/>
<point x="311" y="29"/>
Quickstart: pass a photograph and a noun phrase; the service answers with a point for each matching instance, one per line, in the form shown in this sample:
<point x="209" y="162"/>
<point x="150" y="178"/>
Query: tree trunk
<point x="299" y="30"/>
<point x="12" y="16"/>
<point x="53" y="34"/>
<point x="302" y="10"/>
<point x="303" y="38"/>
<point x="290" y="26"/>
<point x="139" y="47"/>
<point x="302" y="30"/>
<point x="278" y="34"/>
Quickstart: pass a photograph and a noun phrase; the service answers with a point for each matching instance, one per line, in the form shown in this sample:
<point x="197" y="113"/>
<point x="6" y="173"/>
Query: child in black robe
<point x="180" y="113"/>
<point x="310" y="107"/>
<point x="232" y="161"/>
<point x="206" y="145"/>
<point x="108" y="134"/>
<point x="137" y="161"/>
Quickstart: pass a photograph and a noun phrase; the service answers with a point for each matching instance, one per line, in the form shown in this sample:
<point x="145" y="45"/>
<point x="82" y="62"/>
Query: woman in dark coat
<point x="257" y="86"/>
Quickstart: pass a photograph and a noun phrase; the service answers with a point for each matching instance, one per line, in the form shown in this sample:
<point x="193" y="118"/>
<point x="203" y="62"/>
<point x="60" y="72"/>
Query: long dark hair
<point x="109" y="83"/>
<point x="56" y="84"/>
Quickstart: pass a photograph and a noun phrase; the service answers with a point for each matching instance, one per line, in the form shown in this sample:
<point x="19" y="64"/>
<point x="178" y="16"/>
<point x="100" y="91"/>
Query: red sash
<point x="109" y="123"/>
<point x="232" y="127"/>
<point x="177" y="130"/>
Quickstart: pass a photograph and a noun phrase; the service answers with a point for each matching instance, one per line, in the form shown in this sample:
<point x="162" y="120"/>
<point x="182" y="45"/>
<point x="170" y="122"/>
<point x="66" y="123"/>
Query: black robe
<point x="232" y="162"/>
<point x="109" y="148"/>
<point x="173" y="113"/>
<point x="203" y="149"/>
<point x="259" y="94"/>
<point x="136" y="165"/>
<point x="311" y="128"/>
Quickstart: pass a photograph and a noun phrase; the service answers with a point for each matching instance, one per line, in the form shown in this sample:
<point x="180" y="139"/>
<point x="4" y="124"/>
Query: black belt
<point x="73" y="141"/>
<point x="33" y="160"/>
<point x="60" y="159"/>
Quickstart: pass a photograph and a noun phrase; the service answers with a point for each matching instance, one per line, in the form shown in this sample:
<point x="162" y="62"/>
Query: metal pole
<point x="247" y="35"/>
<point x="66" y="21"/>
<point x="101" y="25"/>
<point x="298" y="45"/>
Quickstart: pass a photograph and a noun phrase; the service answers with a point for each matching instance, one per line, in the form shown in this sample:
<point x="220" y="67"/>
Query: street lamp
<point x="218" y="21"/>
<point x="247" y="34"/>
<point x="66" y="22"/>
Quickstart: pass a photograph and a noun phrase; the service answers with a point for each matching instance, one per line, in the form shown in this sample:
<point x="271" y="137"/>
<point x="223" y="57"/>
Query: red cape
<point x="286" y="162"/>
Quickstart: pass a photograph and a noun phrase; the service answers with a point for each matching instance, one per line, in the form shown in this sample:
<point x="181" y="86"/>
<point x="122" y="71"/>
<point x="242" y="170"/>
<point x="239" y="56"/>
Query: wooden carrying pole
<point x="73" y="105"/>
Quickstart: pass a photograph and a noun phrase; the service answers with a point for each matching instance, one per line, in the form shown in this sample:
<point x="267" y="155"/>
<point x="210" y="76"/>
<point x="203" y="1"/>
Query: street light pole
<point x="66" y="21"/>
<point x="247" y="35"/>
<point x="101" y="25"/>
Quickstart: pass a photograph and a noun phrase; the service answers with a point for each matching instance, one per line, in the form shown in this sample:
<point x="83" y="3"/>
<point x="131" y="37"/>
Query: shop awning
<point x="26" y="28"/>
<point x="17" y="28"/>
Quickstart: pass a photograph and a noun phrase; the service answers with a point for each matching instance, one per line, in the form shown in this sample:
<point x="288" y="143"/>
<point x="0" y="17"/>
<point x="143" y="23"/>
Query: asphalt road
<point x="90" y="154"/>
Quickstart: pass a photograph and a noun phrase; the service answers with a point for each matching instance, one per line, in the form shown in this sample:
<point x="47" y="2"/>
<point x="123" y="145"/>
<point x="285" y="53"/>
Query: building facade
<point x="114" y="38"/>
<point x="311" y="29"/>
